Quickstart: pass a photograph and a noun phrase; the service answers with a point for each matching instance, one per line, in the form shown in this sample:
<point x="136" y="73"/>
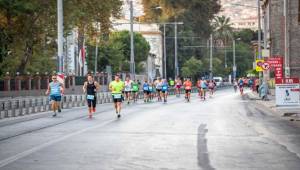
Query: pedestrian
<point x="55" y="90"/>
<point x="263" y="91"/>
<point x="90" y="88"/>
<point x="116" y="87"/>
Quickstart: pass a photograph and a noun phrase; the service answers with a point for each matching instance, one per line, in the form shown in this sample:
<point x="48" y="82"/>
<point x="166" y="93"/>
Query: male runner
<point x="90" y="87"/>
<point x="55" y="89"/>
<point x="116" y="88"/>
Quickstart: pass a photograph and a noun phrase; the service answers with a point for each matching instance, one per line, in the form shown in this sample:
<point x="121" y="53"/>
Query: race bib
<point x="117" y="96"/>
<point x="150" y="88"/>
<point x="145" y="88"/>
<point x="90" y="97"/>
<point x="164" y="87"/>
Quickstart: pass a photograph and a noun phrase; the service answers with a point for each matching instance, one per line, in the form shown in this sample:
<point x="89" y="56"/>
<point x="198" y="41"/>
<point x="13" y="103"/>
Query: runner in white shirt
<point x="128" y="89"/>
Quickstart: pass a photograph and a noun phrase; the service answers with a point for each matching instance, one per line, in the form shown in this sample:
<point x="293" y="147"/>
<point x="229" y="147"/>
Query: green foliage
<point x="28" y="29"/>
<point x="116" y="52"/>
<point x="192" y="67"/>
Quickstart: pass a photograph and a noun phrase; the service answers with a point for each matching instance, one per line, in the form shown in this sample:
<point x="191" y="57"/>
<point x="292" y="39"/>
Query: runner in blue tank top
<point x="146" y="91"/>
<point x="55" y="89"/>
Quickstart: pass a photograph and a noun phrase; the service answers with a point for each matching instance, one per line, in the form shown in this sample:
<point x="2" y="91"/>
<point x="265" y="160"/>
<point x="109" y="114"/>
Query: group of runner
<point x="129" y="90"/>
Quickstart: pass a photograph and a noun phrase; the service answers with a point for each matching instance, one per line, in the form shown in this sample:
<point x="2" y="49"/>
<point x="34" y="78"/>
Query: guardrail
<point x="26" y="106"/>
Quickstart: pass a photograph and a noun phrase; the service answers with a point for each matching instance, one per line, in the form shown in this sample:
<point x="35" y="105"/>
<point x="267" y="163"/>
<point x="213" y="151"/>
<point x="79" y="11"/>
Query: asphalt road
<point x="225" y="132"/>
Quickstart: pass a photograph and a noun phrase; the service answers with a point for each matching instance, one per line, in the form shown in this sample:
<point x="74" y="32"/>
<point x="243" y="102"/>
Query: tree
<point x="29" y="29"/>
<point x="196" y="15"/>
<point x="192" y="68"/>
<point x="141" y="47"/>
<point x="116" y="52"/>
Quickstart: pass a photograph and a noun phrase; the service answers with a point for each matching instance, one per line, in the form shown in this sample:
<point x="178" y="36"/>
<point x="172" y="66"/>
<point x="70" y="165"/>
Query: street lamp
<point x="132" y="63"/>
<point x="60" y="40"/>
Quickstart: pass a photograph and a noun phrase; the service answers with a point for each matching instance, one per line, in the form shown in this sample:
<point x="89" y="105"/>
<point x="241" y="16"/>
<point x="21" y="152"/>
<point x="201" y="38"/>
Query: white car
<point x="218" y="80"/>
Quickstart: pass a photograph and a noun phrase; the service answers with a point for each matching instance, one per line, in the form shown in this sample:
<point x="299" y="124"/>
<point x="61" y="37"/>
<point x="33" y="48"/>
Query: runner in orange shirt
<point x="188" y="88"/>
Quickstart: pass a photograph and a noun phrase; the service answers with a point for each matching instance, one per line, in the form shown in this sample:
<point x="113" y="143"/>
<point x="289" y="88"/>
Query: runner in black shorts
<point x="90" y="87"/>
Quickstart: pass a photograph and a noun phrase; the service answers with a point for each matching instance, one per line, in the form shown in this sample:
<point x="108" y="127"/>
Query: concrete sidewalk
<point x="288" y="113"/>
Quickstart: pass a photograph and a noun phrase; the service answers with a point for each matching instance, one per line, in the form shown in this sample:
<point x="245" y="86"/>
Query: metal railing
<point x="31" y="105"/>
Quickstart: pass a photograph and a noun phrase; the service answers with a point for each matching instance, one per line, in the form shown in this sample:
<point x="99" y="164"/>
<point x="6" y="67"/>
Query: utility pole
<point x="176" y="59"/>
<point x="165" y="53"/>
<point x="234" y="63"/>
<point x="259" y="38"/>
<point x="96" y="51"/>
<point x="286" y="40"/>
<point x="132" y="64"/>
<point x="60" y="36"/>
<point x="211" y="58"/>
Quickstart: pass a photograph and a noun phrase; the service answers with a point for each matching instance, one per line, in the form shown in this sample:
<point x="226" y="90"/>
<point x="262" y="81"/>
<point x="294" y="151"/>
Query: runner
<point x="127" y="89"/>
<point x="178" y="86"/>
<point x="241" y="85"/>
<point x="158" y="86"/>
<point x="151" y="91"/>
<point x="146" y="91"/>
<point x="235" y="85"/>
<point x="188" y="88"/>
<point x="203" y="85"/>
<point x="171" y="82"/>
<point x="211" y="87"/>
<point x="55" y="89"/>
<point x="90" y="87"/>
<point x="116" y="88"/>
<point x="199" y="86"/>
<point x="164" y="89"/>
<point x="135" y="90"/>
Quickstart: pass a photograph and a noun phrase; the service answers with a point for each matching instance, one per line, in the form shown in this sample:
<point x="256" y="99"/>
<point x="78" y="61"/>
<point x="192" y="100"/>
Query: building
<point x="153" y="36"/>
<point x="282" y="33"/>
<point x="241" y="13"/>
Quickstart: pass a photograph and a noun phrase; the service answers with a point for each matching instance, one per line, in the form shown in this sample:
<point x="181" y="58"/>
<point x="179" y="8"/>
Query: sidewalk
<point x="287" y="113"/>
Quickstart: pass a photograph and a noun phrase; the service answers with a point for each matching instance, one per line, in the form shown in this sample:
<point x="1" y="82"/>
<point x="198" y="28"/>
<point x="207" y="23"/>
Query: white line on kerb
<point x="18" y="156"/>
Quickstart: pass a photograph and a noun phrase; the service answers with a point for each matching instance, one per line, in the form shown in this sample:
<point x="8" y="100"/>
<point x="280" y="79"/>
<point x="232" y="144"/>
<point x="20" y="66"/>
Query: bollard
<point x="2" y="108"/>
<point x="83" y="100"/>
<point x="13" y="106"/>
<point x="6" y="108"/>
<point x="26" y="111"/>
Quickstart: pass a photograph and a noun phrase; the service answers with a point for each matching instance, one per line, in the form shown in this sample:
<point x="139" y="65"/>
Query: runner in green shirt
<point x="116" y="87"/>
<point x="135" y="90"/>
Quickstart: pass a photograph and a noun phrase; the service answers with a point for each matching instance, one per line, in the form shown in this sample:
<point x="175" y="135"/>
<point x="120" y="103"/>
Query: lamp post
<point x="60" y="40"/>
<point x="132" y="63"/>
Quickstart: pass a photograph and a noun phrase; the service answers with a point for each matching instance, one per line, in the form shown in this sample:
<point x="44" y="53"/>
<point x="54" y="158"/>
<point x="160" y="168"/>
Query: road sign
<point x="265" y="66"/>
<point x="259" y="64"/>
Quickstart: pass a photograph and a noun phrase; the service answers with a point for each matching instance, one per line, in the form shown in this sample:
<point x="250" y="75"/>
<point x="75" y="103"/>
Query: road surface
<point x="225" y="132"/>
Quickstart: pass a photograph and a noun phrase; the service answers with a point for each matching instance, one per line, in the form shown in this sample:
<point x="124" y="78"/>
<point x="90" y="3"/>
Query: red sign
<point x="277" y="63"/>
<point x="287" y="80"/>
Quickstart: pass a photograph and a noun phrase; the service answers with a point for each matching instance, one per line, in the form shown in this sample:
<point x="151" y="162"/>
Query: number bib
<point x="90" y="97"/>
<point x="117" y="96"/>
<point x="146" y="88"/>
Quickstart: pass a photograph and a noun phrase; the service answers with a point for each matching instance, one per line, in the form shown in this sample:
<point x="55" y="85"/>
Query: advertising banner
<point x="287" y="92"/>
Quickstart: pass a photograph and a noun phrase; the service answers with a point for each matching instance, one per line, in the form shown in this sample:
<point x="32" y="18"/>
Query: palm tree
<point x="223" y="32"/>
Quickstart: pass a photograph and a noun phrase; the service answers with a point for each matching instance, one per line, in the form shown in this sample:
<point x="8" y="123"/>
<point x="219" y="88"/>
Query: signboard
<point x="259" y="64"/>
<point x="287" y="92"/>
<point x="277" y="64"/>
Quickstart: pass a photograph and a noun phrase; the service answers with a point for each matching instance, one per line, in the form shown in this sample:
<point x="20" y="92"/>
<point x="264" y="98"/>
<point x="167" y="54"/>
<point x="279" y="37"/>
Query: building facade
<point x="282" y="33"/>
